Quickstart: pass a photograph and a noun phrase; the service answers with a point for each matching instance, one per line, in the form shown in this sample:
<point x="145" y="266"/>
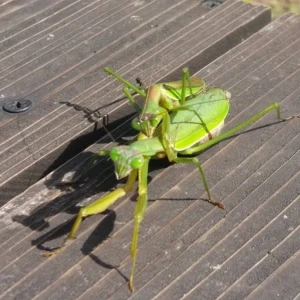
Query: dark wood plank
<point x="54" y="54"/>
<point x="187" y="248"/>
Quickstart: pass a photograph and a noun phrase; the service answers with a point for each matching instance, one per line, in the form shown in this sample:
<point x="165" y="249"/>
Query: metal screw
<point x="209" y="4"/>
<point x="17" y="106"/>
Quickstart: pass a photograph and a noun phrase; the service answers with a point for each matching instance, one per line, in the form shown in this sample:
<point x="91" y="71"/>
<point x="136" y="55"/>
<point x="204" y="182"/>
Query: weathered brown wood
<point x="187" y="248"/>
<point x="54" y="52"/>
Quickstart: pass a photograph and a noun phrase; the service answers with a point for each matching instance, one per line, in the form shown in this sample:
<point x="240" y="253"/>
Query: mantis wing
<point x="187" y="130"/>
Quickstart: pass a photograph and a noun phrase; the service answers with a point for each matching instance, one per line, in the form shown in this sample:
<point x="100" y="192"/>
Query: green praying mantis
<point x="160" y="99"/>
<point x="179" y="132"/>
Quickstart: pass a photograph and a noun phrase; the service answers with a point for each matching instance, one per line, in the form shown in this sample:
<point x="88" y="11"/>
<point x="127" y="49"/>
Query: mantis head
<point x="149" y="120"/>
<point x="125" y="159"/>
<point x="156" y="106"/>
<point x="147" y="123"/>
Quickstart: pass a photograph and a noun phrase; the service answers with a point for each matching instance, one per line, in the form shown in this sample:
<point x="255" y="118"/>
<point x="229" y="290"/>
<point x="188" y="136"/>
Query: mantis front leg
<point x="128" y="86"/>
<point x="96" y="207"/>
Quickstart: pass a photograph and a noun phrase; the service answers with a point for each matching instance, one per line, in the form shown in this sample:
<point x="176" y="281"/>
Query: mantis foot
<point x="51" y="253"/>
<point x="290" y="118"/>
<point x="216" y="203"/>
<point x="57" y="250"/>
<point x="131" y="287"/>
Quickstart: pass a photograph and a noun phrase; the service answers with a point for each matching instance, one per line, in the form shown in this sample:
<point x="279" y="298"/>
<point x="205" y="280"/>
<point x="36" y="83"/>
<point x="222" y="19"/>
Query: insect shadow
<point x="37" y="218"/>
<point x="83" y="187"/>
<point x="101" y="232"/>
<point x="93" y="116"/>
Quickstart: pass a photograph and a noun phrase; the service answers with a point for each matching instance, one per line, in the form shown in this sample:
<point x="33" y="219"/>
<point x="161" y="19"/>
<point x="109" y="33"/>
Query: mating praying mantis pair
<point x="178" y="120"/>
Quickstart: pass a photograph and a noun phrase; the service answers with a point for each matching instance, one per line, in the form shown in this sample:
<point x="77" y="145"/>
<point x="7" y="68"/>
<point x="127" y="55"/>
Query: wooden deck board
<point x="57" y="62"/>
<point x="188" y="249"/>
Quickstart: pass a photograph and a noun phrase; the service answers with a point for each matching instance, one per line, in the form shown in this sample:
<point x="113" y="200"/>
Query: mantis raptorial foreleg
<point x="97" y="207"/>
<point x="159" y="98"/>
<point x="172" y="86"/>
<point x="127" y="86"/>
<point x="131" y="99"/>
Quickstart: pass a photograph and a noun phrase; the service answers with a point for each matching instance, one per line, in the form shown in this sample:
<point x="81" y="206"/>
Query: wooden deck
<point x="53" y="53"/>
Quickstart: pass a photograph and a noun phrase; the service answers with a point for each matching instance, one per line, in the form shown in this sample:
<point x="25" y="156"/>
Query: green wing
<point x="187" y="129"/>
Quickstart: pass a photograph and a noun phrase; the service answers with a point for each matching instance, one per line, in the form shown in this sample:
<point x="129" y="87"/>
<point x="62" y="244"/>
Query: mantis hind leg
<point x="199" y="148"/>
<point x="196" y="162"/>
<point x="96" y="207"/>
<point x="138" y="216"/>
<point x="229" y="133"/>
<point x="172" y="156"/>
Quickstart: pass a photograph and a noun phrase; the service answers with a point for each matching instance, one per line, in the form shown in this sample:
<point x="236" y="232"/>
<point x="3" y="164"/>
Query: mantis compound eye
<point x="155" y="121"/>
<point x="114" y="154"/>
<point x="136" y="124"/>
<point x="137" y="162"/>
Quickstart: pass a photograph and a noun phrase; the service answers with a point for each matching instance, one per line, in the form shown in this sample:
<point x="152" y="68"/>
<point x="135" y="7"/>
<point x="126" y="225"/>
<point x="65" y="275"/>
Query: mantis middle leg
<point x="139" y="215"/>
